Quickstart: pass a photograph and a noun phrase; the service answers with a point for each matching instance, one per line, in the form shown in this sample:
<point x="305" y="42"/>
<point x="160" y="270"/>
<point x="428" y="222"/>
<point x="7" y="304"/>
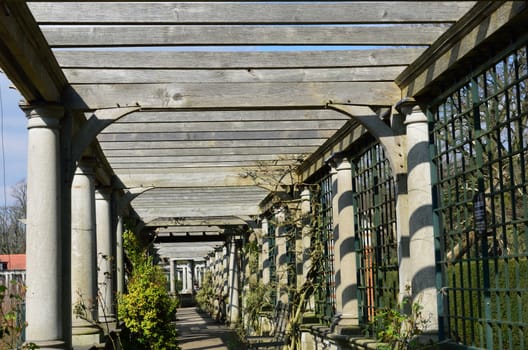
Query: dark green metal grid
<point x="272" y="256"/>
<point x="325" y="295"/>
<point x="375" y="220"/>
<point x="481" y="147"/>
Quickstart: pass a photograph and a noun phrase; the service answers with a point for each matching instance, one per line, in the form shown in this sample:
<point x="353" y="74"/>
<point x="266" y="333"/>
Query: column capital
<point x="86" y="166"/>
<point x="409" y="107"/>
<point x="338" y="162"/>
<point x="103" y="192"/>
<point x="43" y="116"/>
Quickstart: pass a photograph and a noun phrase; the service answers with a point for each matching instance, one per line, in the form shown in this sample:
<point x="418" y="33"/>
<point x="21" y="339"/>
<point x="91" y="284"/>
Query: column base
<point x="48" y="344"/>
<point x="85" y="334"/>
<point x="346" y="325"/>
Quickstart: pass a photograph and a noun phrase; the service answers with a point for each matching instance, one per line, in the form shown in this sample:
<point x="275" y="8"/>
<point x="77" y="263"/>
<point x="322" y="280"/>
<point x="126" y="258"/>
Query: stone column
<point x="306" y="232"/>
<point x="234" y="305"/>
<point x="344" y="247"/>
<point x="281" y="259"/>
<point x="265" y="253"/>
<point x="172" y="277"/>
<point x="120" y="262"/>
<point x="44" y="310"/>
<point x="105" y="255"/>
<point x="421" y="245"/>
<point x="83" y="254"/>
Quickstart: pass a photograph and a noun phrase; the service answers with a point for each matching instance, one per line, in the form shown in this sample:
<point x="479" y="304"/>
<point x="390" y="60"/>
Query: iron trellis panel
<point x="480" y="150"/>
<point x="375" y="220"/>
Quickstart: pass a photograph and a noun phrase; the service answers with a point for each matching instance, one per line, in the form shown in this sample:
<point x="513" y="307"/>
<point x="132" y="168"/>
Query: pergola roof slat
<point x="248" y="12"/>
<point x="182" y="35"/>
<point x="170" y="59"/>
<point x="221" y="96"/>
<point x="292" y="75"/>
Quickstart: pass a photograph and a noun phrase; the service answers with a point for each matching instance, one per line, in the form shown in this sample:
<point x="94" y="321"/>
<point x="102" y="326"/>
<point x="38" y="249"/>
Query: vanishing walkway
<point x="197" y="331"/>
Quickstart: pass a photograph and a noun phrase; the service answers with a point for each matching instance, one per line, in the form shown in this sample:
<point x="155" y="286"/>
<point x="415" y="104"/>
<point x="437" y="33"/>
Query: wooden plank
<point x="199" y="159"/>
<point x="200" y="211"/>
<point x="243" y="95"/>
<point x="122" y="76"/>
<point x="113" y="153"/>
<point x="233" y="126"/>
<point x="474" y="29"/>
<point x="219" y="221"/>
<point x="207" y="165"/>
<point x="25" y="56"/>
<point x="170" y="59"/>
<point x="200" y="145"/>
<point x="222" y="13"/>
<point x="234" y="116"/>
<point x="221" y="177"/>
<point x="214" y="136"/>
<point x="184" y="35"/>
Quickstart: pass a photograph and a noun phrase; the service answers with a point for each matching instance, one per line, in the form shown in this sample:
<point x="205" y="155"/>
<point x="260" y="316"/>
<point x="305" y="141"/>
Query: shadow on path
<point x="197" y="331"/>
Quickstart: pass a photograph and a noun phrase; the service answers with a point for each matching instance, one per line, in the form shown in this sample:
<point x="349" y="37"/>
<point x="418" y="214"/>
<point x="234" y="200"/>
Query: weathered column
<point x="306" y="232"/>
<point x="105" y="255"/>
<point x="265" y="253"/>
<point x="234" y="298"/>
<point x="83" y="254"/>
<point x="281" y="259"/>
<point x="43" y="250"/>
<point x="172" y="277"/>
<point x="344" y="247"/>
<point x="422" y="247"/>
<point x="120" y="262"/>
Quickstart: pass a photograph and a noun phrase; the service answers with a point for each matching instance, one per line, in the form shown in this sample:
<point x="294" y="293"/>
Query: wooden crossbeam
<point x="248" y="12"/>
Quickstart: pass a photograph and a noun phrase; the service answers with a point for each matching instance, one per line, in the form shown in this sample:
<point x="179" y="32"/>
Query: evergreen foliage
<point x="147" y="309"/>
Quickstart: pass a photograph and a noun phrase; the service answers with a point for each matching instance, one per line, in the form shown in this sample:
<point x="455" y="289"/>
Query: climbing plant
<point x="147" y="309"/>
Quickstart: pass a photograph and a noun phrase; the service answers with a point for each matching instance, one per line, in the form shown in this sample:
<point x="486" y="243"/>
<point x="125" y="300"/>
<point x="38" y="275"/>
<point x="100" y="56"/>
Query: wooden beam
<point x="25" y="57"/>
<point x="206" y="220"/>
<point x="161" y="152"/>
<point x="234" y="126"/>
<point x="200" y="211"/>
<point x="122" y="76"/>
<point x="175" y="159"/>
<point x="207" y="165"/>
<point x="189" y="177"/>
<point x="208" y="144"/>
<point x="164" y="239"/>
<point x="268" y="115"/>
<point x="483" y="21"/>
<point x="248" y="12"/>
<point x="170" y="59"/>
<point x="217" y="135"/>
<point x="218" y="96"/>
<point x="184" y="35"/>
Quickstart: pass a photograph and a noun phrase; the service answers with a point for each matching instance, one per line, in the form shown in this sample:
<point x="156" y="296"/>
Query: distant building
<point x="12" y="262"/>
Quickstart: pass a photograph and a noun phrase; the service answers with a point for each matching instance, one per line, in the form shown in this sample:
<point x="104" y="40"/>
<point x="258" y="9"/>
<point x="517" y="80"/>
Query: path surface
<point x="198" y="331"/>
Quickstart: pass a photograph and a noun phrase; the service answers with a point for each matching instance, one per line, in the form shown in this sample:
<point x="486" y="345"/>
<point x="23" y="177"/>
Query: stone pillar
<point x="105" y="255"/>
<point x="225" y="271"/>
<point x="265" y="253"/>
<point x="172" y="277"/>
<point x="120" y="263"/>
<point x="281" y="259"/>
<point x="421" y="245"/>
<point x="306" y="233"/>
<point x="190" y="276"/>
<point x="44" y="310"/>
<point x="344" y="247"/>
<point x="83" y="254"/>
<point x="234" y="299"/>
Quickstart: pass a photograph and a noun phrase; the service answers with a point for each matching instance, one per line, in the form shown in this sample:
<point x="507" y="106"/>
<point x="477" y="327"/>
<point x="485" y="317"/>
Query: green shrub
<point x="147" y="309"/>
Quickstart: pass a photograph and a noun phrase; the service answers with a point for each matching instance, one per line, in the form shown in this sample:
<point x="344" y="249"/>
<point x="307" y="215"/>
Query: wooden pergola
<point x="182" y="98"/>
<point x="177" y="102"/>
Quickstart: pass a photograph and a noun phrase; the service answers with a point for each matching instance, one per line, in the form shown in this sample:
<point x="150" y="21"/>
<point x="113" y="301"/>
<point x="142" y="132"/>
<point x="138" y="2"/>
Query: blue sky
<point x="13" y="158"/>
